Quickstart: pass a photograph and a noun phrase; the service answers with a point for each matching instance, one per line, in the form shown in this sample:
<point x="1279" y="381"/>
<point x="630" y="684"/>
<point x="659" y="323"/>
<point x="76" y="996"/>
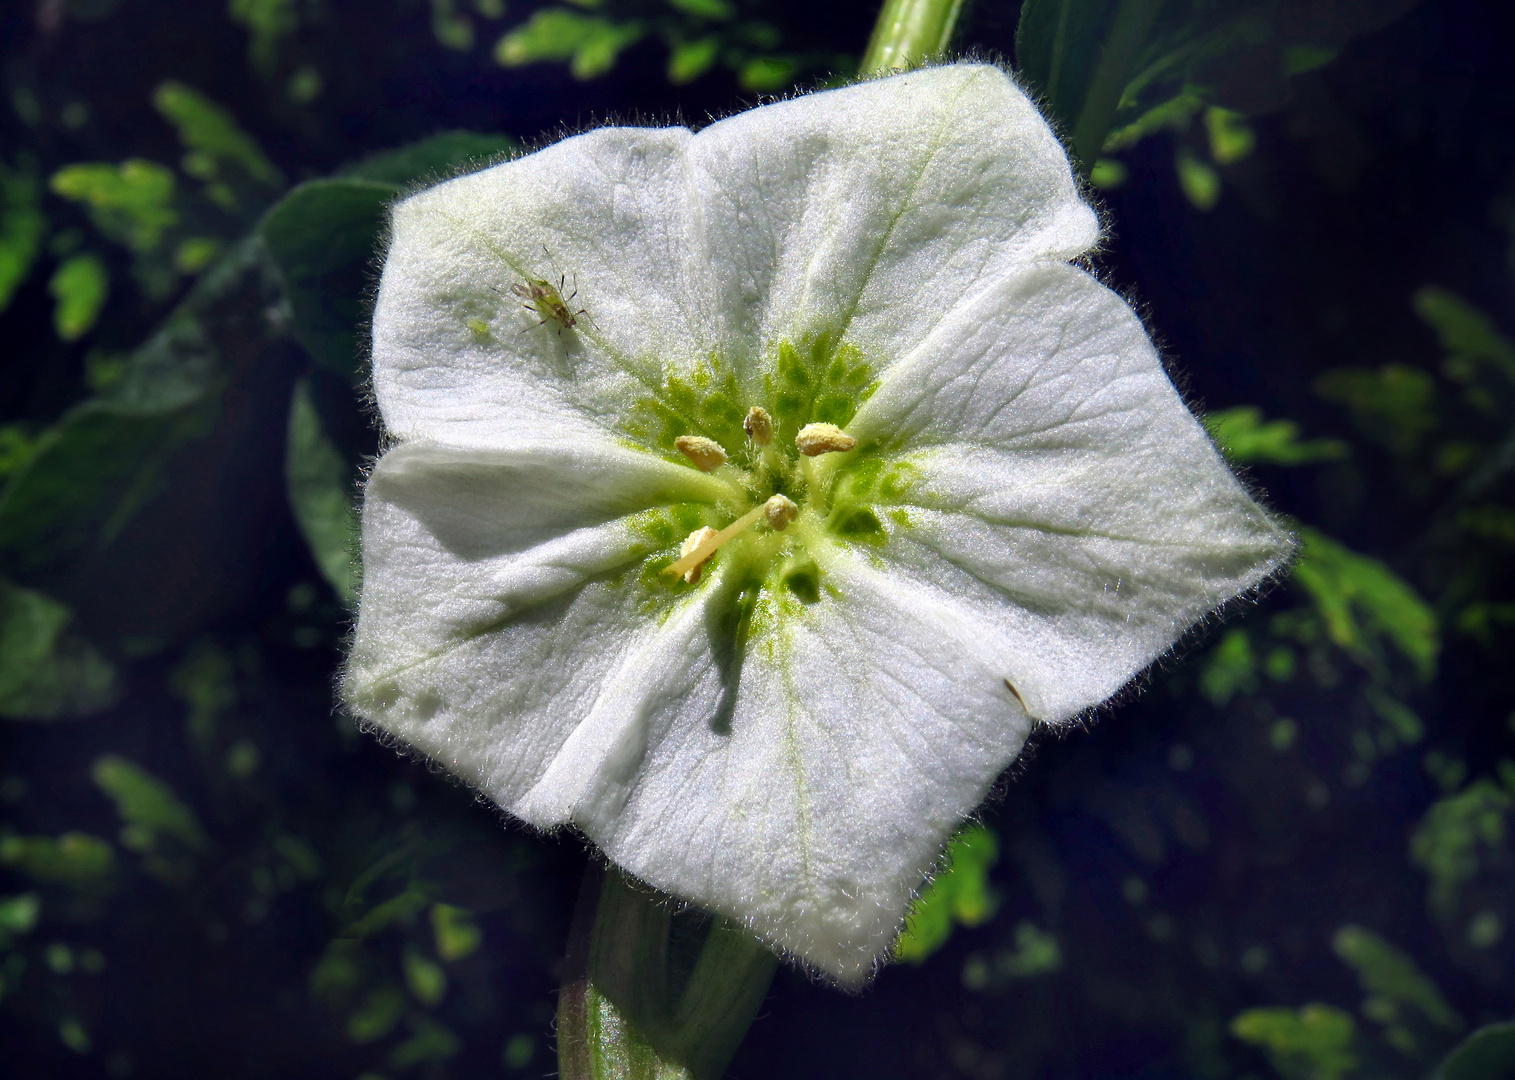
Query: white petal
<point x="865" y="727"/>
<point x="607" y="209"/>
<point x="869" y="212"/>
<point x="1060" y="488"/>
<point x="865" y="213"/>
<point x="500" y="594"/>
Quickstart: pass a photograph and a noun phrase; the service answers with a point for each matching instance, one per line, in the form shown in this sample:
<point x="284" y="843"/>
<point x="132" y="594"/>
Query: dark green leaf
<point x="438" y="156"/>
<point x="1487" y="1054"/>
<point x="324" y="236"/>
<point x="322" y="494"/>
<point x="46" y="671"/>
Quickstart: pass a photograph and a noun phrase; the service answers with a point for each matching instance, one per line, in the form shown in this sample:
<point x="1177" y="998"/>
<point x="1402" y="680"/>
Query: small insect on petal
<point x="758" y="425"/>
<point x="815" y="439"/>
<point x="706" y="454"/>
<point x="780" y="511"/>
<point x="691" y="542"/>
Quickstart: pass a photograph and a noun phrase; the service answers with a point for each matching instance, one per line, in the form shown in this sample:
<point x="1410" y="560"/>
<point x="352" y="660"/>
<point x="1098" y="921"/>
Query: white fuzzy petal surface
<point x="1030" y="517"/>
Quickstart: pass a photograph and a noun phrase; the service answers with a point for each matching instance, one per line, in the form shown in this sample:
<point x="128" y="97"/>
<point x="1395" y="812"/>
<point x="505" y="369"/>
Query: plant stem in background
<point x="1118" y="55"/>
<point x="908" y="33"/>
<point x="629" y="1009"/>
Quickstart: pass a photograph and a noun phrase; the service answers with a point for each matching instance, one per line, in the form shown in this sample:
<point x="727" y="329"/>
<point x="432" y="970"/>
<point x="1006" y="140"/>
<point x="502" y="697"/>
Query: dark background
<point x="1188" y="868"/>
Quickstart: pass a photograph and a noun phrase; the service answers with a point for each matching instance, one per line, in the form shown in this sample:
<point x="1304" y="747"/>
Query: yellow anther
<point x="758" y="425"/>
<point x="706" y="454"/>
<point x="780" y="511"/>
<point x="689" y="546"/>
<point x="815" y="439"/>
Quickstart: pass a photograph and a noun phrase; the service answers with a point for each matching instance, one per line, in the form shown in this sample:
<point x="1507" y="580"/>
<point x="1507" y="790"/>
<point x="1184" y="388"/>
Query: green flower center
<point x="797" y="485"/>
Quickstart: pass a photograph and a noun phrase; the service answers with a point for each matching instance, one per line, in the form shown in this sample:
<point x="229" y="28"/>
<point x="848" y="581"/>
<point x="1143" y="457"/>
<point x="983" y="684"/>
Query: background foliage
<point x="1290" y="855"/>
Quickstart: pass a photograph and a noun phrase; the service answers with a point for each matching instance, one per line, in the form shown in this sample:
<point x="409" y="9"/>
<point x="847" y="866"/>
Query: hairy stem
<point x="908" y="33"/>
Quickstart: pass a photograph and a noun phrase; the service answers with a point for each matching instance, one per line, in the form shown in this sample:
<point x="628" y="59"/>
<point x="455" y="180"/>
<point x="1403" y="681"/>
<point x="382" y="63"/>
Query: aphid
<point x="546" y="299"/>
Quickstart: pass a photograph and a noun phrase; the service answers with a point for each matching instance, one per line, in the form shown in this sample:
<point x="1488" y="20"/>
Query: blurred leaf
<point x="1108" y="174"/>
<point x="427" y="981"/>
<point x="688" y="60"/>
<point x="1247" y="439"/>
<point x="452" y="30"/>
<point x="75" y="859"/>
<point x="1138" y="66"/>
<point x="433" y="158"/>
<point x="1231" y="137"/>
<point x="1199" y="183"/>
<point x="1448" y="842"/>
<point x="206" y="682"/>
<point x="268" y="22"/>
<point x="16" y="448"/>
<point x="457" y="935"/>
<point x="46" y="671"/>
<point x="1389" y="975"/>
<point x="18" y="914"/>
<point x="146" y="805"/>
<point x="211" y="135"/>
<point x="22" y="227"/>
<point x="959" y="894"/>
<point x="1393" y="404"/>
<point x="132" y="203"/>
<point x="79" y="287"/>
<point x="1360" y="598"/>
<point x="322" y="492"/>
<point x="1487" y="1054"/>
<point x="1467" y="334"/>
<point x="765" y="74"/>
<point x="376" y="1017"/>
<point x="431" y="1043"/>
<point x="591" y="43"/>
<point x="1230" y="669"/>
<point x="704" y="9"/>
<point x="1310" y="1043"/>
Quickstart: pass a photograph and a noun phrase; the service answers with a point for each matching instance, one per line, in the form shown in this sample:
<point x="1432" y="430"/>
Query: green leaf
<point x="1230" y="669"/>
<point x="1360" y="600"/>
<point x="1467" y="334"/>
<point x="960" y="894"/>
<point x="1487" y="1054"/>
<point x="132" y="203"/>
<point x="75" y="859"/>
<point x="766" y="74"/>
<point x="1249" y="440"/>
<point x="47" y="671"/>
<point x="324" y="236"/>
<point x="690" y="59"/>
<point x="322" y="492"/>
<point x="22" y="226"/>
<point x="1389" y="975"/>
<point x="19" y="914"/>
<point x="1199" y="183"/>
<point x="590" y="43"/>
<point x="1310" y="1043"/>
<point x="1454" y="837"/>
<point x="433" y="158"/>
<point x="1231" y="137"/>
<point x="146" y="805"/>
<point x="79" y="287"/>
<point x="211" y="135"/>
<point x="704" y="9"/>
<point x="457" y="935"/>
<point x="1393" y="405"/>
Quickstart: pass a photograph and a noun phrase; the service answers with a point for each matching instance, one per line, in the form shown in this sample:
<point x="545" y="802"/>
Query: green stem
<point x="626" y="1011"/>
<point x="908" y="33"/>
<point x="1118" y="55"/>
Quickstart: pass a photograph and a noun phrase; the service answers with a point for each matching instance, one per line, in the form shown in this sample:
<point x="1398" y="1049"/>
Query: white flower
<point x="788" y="726"/>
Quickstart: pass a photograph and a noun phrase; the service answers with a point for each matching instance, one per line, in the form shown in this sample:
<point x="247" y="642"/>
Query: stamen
<point x="691" y="542"/>
<point x="699" y="545"/>
<point x="780" y="511"/>
<point x="815" y="439"/>
<point x="758" y="425"/>
<point x="706" y="454"/>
